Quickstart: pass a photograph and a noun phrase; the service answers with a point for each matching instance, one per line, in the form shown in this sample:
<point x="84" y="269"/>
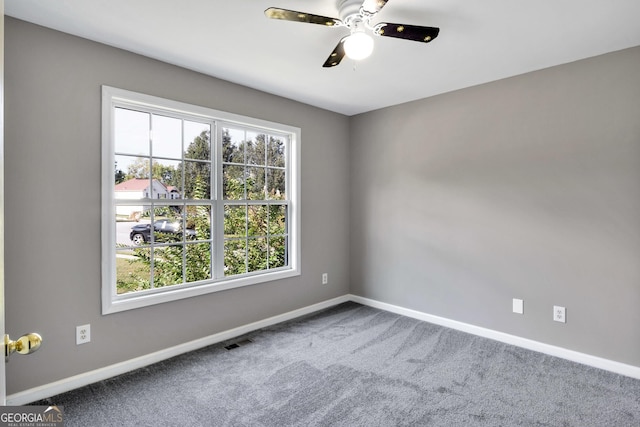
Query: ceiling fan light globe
<point x="358" y="46"/>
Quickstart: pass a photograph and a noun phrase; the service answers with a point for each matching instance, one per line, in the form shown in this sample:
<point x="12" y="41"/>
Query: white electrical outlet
<point x="325" y="278"/>
<point x="559" y="314"/>
<point x="83" y="334"/>
<point x="518" y="306"/>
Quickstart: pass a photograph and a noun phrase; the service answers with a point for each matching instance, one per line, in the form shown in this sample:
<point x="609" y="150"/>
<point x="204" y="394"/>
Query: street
<point x="123" y="229"/>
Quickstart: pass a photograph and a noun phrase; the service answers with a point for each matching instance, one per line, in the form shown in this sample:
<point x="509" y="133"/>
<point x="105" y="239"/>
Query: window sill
<point x="115" y="304"/>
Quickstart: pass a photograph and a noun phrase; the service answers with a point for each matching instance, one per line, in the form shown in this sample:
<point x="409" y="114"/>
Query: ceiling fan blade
<point x="373" y="6"/>
<point x="336" y="56"/>
<point x="292" y="15"/>
<point x="407" y="32"/>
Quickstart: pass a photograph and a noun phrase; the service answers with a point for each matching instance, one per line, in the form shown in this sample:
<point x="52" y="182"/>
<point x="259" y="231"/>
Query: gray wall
<point x="527" y="188"/>
<point x="53" y="206"/>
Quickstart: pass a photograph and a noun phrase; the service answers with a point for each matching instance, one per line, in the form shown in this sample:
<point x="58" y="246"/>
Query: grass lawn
<point x="126" y="272"/>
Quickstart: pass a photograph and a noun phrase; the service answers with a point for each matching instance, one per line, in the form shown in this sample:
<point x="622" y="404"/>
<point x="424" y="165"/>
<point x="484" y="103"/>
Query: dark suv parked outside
<point x="141" y="233"/>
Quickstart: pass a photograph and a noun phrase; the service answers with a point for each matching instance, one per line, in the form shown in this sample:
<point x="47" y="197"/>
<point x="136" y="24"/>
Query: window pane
<point x="257" y="220"/>
<point x="167" y="137"/>
<point x="233" y="182"/>
<point x="171" y="213"/>
<point x="276" y="184"/>
<point x="235" y="221"/>
<point x="235" y="257"/>
<point x="256" y="153"/>
<point x="167" y="230"/>
<point x="167" y="173"/>
<point x="125" y="217"/>
<point x="153" y="189"/>
<point x="233" y="146"/>
<point x="198" y="222"/>
<point x="197" y="141"/>
<point x="132" y="274"/>
<point x="276" y="153"/>
<point x="168" y="265"/>
<point x="277" y="219"/>
<point x="197" y="180"/>
<point x="131" y="132"/>
<point x="132" y="189"/>
<point x="256" y="183"/>
<point x="137" y="233"/>
<point x="257" y="254"/>
<point x="121" y="168"/>
<point x="132" y="167"/>
<point x="198" y="262"/>
<point x="277" y="252"/>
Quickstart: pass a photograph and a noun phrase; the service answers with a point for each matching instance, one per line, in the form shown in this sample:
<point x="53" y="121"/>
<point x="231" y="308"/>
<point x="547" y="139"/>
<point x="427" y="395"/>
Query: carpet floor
<point x="352" y="365"/>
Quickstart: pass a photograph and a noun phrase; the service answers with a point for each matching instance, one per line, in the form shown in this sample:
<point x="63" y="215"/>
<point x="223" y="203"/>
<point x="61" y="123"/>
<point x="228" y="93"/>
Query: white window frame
<point x="111" y="301"/>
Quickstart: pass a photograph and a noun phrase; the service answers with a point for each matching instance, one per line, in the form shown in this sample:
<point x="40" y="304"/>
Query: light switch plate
<point x="518" y="306"/>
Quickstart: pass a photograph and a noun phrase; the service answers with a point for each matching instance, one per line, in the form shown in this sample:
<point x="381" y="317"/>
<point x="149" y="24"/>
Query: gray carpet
<point x="357" y="366"/>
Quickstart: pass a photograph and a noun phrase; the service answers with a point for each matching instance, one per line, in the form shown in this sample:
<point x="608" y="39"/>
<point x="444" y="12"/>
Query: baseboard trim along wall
<point x="81" y="380"/>
<point x="67" y="384"/>
<point x="574" y="356"/>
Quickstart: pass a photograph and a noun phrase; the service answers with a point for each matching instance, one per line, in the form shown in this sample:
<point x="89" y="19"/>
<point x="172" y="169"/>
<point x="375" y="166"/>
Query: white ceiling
<point x="479" y="41"/>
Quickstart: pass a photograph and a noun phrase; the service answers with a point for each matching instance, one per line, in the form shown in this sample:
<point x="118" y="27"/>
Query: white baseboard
<point x="81" y="380"/>
<point x="67" y="384"/>
<point x="574" y="356"/>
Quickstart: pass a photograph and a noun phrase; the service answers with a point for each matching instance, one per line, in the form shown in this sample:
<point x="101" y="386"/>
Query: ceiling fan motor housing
<point x="349" y="9"/>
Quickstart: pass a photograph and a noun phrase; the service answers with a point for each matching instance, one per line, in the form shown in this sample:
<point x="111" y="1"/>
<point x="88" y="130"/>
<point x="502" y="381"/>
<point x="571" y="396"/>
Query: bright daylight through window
<point x="194" y="200"/>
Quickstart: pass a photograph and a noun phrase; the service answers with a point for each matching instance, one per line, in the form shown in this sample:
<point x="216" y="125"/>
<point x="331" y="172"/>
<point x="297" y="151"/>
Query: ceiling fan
<point x="357" y="18"/>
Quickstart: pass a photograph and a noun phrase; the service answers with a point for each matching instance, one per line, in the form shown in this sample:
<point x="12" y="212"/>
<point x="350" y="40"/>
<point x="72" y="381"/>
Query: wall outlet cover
<point x="83" y="334"/>
<point x="559" y="314"/>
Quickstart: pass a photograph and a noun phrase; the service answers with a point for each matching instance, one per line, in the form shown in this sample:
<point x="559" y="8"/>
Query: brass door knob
<point x="26" y="344"/>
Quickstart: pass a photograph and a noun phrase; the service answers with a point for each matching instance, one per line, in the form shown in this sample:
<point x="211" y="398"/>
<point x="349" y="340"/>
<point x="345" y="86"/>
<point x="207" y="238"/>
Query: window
<point x="194" y="200"/>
